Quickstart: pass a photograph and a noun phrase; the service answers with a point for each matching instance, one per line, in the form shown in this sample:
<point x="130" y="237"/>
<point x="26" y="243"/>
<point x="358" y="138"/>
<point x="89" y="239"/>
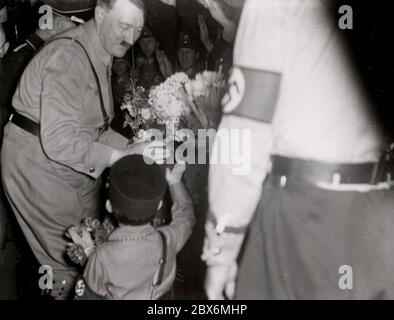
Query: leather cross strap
<point x="163" y="261"/>
<point x="34" y="128"/>
<point x="105" y="127"/>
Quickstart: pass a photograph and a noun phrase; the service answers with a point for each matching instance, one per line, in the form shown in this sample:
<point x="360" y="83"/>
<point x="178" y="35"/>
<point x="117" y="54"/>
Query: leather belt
<point x="337" y="173"/>
<point x="25" y="124"/>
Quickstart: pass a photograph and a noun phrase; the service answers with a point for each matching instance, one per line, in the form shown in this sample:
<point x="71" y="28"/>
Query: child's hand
<point x="175" y="175"/>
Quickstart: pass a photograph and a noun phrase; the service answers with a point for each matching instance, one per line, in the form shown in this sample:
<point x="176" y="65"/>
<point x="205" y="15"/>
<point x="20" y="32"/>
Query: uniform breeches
<point x="308" y="243"/>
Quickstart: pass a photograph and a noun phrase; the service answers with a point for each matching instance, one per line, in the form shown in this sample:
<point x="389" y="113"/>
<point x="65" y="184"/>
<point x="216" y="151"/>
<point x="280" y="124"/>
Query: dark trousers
<point x="308" y="243"/>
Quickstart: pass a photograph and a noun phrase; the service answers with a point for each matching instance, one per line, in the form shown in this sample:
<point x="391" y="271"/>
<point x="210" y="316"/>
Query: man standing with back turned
<point x="58" y="142"/>
<point x="323" y="220"/>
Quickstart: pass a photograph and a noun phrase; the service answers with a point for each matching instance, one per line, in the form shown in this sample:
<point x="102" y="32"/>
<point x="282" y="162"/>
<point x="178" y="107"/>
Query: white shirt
<point x="321" y="113"/>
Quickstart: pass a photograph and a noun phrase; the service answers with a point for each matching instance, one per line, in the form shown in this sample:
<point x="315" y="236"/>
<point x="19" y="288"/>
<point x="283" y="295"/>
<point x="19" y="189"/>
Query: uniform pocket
<point x="72" y="177"/>
<point x="91" y="113"/>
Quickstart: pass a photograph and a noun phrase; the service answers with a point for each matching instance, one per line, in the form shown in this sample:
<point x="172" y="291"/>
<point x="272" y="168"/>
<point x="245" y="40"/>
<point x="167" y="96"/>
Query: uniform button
<point x="92" y="170"/>
<point x="96" y="92"/>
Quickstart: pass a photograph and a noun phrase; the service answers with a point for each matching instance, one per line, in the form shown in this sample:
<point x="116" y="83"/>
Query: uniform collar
<point x="131" y="232"/>
<point x="35" y="42"/>
<point x="92" y="33"/>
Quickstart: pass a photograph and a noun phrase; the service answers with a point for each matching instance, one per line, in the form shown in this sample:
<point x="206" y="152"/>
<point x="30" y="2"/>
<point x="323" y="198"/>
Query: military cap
<point x="147" y="32"/>
<point x="185" y="41"/>
<point x="136" y="189"/>
<point x="79" y="11"/>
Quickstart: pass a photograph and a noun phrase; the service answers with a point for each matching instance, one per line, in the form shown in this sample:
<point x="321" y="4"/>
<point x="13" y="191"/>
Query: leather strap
<point x="105" y="127"/>
<point x="338" y="173"/>
<point x="34" y="128"/>
<point x="163" y="261"/>
<point x="25" y="124"/>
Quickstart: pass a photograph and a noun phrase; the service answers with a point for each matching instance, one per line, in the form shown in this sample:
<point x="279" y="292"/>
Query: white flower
<point x="167" y="99"/>
<point x="145" y="113"/>
<point x="143" y="136"/>
<point x="202" y="84"/>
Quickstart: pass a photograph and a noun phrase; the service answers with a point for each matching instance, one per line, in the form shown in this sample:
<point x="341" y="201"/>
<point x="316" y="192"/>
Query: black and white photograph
<point x="208" y="151"/>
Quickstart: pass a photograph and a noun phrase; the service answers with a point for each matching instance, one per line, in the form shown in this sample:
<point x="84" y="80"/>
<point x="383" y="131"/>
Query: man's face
<point x="186" y="57"/>
<point x="119" y="27"/>
<point x="148" y="46"/>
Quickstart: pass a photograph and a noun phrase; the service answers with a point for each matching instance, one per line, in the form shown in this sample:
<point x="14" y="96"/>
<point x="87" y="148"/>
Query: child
<point x="138" y="262"/>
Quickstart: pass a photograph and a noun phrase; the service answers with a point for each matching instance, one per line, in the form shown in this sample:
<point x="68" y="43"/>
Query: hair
<point x="110" y="3"/>
<point x="130" y="220"/>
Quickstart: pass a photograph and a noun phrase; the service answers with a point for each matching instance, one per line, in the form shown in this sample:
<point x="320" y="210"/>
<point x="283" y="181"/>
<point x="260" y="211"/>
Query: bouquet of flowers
<point x="204" y="95"/>
<point x="85" y="237"/>
<point x="139" y="112"/>
<point x="169" y="104"/>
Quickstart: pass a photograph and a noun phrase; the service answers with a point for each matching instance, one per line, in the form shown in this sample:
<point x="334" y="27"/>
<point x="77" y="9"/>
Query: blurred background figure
<point x="162" y="19"/>
<point x="218" y="51"/>
<point x="15" y="62"/>
<point x="4" y="45"/>
<point x="152" y="65"/>
<point x="188" y="56"/>
<point x="22" y="19"/>
<point x="229" y="25"/>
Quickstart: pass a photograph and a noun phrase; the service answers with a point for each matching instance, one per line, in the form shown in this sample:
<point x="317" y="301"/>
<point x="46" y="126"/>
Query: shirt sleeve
<point x="228" y="181"/>
<point x="62" y="102"/>
<point x="260" y="36"/>
<point x="183" y="218"/>
<point x="95" y="275"/>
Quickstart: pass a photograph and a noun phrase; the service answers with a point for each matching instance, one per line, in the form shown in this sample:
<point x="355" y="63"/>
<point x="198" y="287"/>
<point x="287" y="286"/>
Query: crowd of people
<point x="310" y="218"/>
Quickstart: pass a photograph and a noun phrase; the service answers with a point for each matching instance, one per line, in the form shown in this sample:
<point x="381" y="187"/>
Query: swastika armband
<point x="252" y="94"/>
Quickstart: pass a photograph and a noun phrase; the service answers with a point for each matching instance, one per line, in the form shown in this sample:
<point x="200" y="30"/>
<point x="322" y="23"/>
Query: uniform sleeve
<point x="235" y="187"/>
<point x="62" y="102"/>
<point x="114" y="139"/>
<point x="245" y="177"/>
<point x="183" y="218"/>
<point x="249" y="110"/>
<point x="95" y="275"/>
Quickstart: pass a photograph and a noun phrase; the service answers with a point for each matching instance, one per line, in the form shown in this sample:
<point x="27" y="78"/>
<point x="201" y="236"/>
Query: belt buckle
<point x="336" y="179"/>
<point x="283" y="181"/>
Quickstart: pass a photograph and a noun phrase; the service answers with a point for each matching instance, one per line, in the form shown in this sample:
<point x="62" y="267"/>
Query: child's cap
<point x="136" y="189"/>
